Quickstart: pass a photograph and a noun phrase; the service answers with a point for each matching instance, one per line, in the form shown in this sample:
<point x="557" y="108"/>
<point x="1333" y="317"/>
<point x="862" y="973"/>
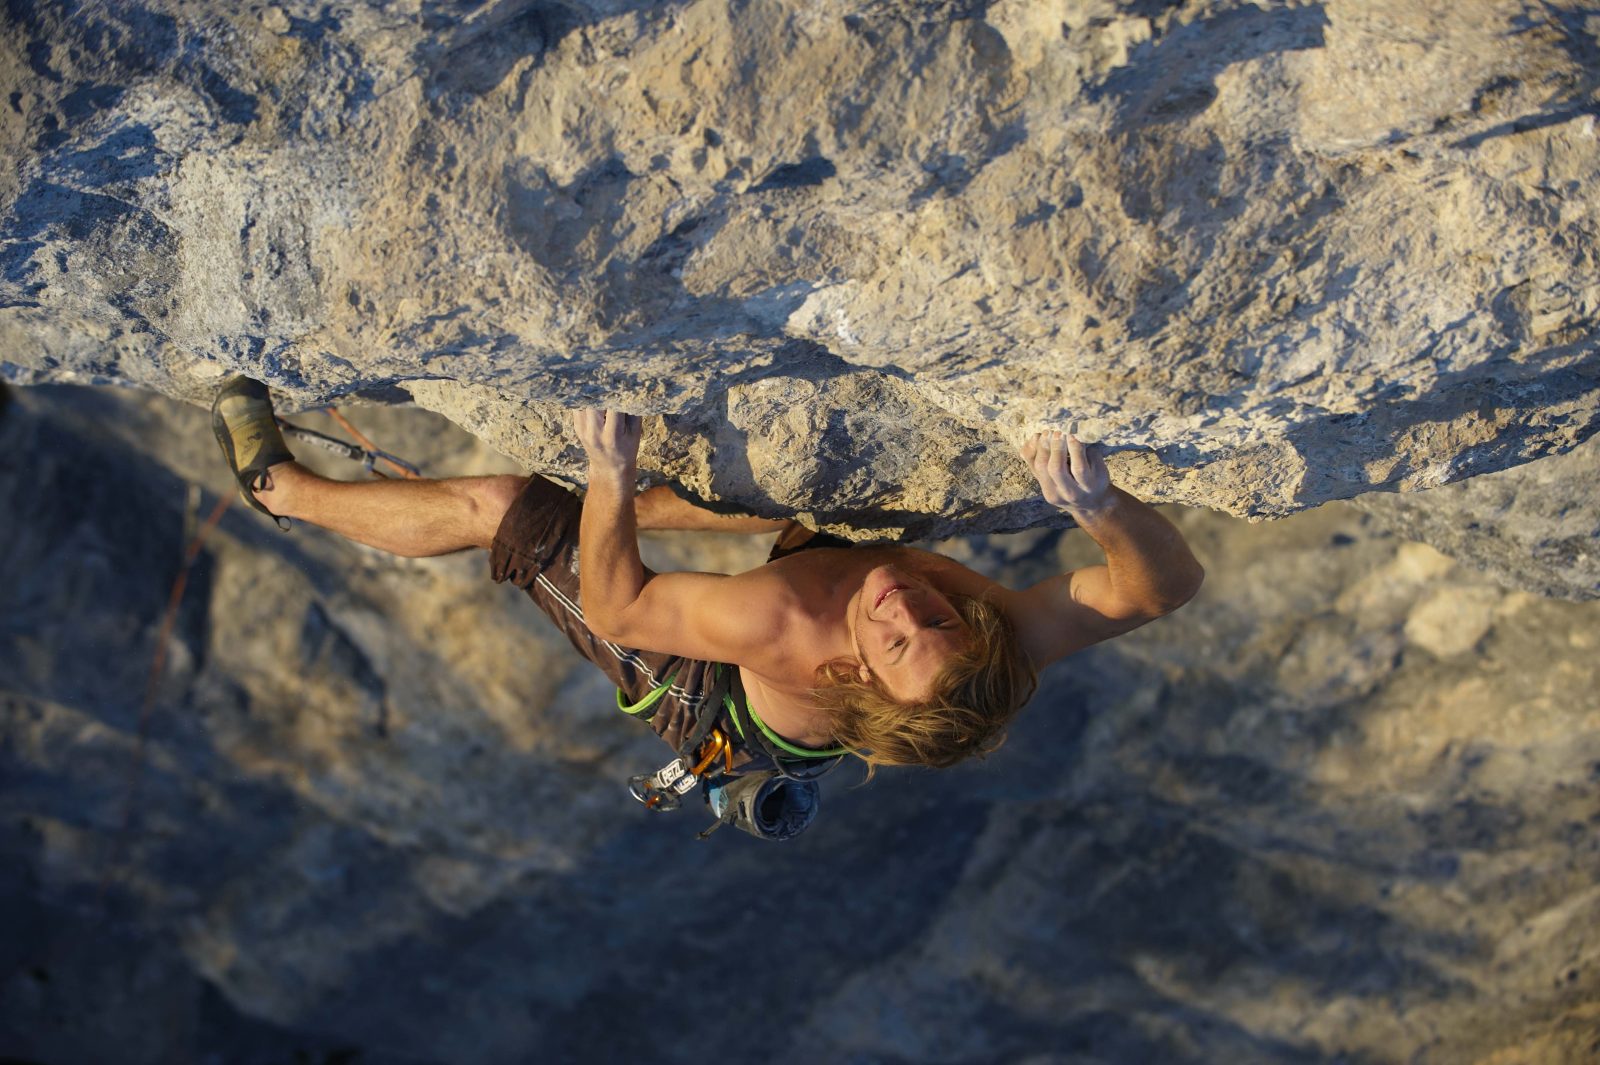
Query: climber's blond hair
<point x="975" y="696"/>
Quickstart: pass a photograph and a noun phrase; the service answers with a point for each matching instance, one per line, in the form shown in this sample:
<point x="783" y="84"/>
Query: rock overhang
<point x="851" y="252"/>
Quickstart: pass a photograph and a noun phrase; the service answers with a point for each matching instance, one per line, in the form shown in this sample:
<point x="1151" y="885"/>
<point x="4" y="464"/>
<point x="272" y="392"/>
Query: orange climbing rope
<point x="407" y="471"/>
<point x="367" y="452"/>
<point x="158" y="664"/>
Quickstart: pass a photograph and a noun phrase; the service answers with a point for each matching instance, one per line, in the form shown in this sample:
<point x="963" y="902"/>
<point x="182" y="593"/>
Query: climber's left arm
<point x="1149" y="569"/>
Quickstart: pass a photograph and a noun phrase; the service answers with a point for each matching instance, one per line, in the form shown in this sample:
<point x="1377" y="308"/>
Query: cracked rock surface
<point x="1270" y="254"/>
<point x="1535" y="527"/>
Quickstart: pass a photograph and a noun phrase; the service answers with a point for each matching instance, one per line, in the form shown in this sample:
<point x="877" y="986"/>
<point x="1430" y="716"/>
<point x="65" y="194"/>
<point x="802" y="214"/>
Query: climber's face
<point x="905" y="631"/>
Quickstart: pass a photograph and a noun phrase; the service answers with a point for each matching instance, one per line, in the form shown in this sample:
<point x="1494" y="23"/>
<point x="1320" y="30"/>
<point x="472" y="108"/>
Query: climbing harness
<point x="751" y="778"/>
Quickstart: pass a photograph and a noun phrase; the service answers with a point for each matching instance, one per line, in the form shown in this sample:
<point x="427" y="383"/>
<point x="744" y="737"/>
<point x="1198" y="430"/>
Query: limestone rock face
<point x="1270" y="254"/>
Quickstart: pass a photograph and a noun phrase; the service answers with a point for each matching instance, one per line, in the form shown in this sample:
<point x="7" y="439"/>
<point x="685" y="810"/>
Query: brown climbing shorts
<point x="536" y="549"/>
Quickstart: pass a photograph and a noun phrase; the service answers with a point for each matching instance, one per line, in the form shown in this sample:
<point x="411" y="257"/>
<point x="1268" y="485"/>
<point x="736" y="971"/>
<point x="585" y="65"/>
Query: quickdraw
<point x="364" y="451"/>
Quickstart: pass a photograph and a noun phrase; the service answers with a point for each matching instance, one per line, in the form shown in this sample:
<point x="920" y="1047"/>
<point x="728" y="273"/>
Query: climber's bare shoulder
<point x="738" y="618"/>
<point x="1055" y="617"/>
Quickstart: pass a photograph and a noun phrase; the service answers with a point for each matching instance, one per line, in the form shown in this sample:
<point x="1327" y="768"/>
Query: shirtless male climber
<point x="892" y="654"/>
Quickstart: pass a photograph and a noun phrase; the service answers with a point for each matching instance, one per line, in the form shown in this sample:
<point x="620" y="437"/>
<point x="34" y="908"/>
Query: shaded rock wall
<point x="1271" y="254"/>
<point x="1535" y="527"/>
<point x="1339" y="808"/>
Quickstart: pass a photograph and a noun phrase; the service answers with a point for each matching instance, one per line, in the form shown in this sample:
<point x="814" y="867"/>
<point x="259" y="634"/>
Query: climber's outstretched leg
<point x="413" y="518"/>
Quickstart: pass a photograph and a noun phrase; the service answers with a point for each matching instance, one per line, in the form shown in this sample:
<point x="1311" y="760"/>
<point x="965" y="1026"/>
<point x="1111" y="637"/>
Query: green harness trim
<point x="733" y="712"/>
<point x="648" y="701"/>
<point x="777" y="740"/>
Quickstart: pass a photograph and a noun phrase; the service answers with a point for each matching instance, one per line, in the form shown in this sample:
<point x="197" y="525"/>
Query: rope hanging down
<point x="365" y="452"/>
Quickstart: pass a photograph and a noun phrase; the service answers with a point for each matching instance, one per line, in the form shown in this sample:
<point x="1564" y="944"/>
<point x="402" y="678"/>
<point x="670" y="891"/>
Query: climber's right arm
<point x="696" y="615"/>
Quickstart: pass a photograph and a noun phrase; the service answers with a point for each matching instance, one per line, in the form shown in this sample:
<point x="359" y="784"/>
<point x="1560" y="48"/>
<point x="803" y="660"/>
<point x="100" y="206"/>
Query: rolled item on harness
<point x="765" y="805"/>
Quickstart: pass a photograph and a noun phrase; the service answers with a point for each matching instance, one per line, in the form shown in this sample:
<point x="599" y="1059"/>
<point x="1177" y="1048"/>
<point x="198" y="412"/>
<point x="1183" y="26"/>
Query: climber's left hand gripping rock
<point x="1071" y="474"/>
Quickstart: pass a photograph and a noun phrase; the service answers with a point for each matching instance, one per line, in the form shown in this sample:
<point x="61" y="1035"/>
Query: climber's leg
<point x="662" y="508"/>
<point x="405" y="517"/>
<point x="415" y="518"/>
<point x="412" y="518"/>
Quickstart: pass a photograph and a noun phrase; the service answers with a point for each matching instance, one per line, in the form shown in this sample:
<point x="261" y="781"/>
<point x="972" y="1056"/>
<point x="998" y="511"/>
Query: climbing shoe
<point x="245" y="426"/>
